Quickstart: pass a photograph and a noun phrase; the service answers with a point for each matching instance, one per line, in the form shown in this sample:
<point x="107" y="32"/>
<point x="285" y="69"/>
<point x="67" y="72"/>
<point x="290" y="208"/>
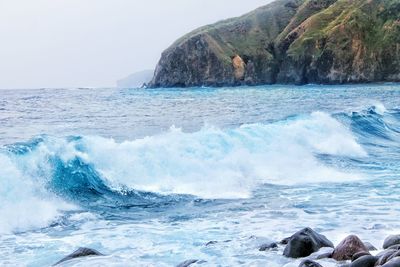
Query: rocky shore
<point x="311" y="247"/>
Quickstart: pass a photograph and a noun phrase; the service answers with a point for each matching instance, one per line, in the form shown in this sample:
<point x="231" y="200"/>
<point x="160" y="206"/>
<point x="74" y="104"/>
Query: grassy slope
<point x="246" y="35"/>
<point x="307" y="9"/>
<point x="375" y="23"/>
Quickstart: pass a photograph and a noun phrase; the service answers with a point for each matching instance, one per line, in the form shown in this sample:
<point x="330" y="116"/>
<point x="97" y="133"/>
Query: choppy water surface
<point x="148" y="177"/>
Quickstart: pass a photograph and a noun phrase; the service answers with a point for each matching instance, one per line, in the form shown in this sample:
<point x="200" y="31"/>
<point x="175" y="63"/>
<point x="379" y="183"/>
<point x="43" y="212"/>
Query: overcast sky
<point x="93" y="43"/>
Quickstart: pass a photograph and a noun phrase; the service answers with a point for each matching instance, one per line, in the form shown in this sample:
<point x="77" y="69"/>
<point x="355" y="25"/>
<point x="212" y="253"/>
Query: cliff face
<point x="290" y="41"/>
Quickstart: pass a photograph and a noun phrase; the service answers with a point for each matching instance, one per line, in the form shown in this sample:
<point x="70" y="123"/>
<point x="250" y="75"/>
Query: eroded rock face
<point x="305" y="242"/>
<point x="192" y="63"/>
<point x="290" y="41"/>
<point x="239" y="68"/>
<point x="348" y="247"/>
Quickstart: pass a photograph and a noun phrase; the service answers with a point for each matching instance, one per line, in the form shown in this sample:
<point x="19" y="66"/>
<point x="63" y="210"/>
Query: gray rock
<point x="284" y="241"/>
<point x="305" y="242"/>
<point x="389" y="250"/>
<point x="79" y="253"/>
<point x="391" y="240"/>
<point x="268" y="246"/>
<point x="348" y="247"/>
<point x="211" y="243"/>
<point x="323" y="253"/>
<point x="364" y="261"/>
<point x="384" y="256"/>
<point x="394" y="255"/>
<point x="309" y="263"/>
<point x="187" y="263"/>
<point x="395" y="262"/>
<point x="396" y="247"/>
<point x="369" y="246"/>
<point x="359" y="255"/>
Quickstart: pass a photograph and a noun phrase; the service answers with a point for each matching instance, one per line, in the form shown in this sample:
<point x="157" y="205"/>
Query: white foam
<point x="210" y="163"/>
<point x="380" y="108"/>
<point x="215" y="163"/>
<point x="24" y="204"/>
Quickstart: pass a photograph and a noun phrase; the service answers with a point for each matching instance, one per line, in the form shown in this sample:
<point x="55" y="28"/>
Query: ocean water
<point x="150" y="176"/>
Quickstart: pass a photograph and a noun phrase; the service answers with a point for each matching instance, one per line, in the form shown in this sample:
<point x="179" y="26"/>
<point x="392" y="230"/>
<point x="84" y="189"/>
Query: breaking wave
<point x="40" y="179"/>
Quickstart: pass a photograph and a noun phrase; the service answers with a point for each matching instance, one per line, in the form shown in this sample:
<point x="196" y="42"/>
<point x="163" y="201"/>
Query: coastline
<point x="306" y="248"/>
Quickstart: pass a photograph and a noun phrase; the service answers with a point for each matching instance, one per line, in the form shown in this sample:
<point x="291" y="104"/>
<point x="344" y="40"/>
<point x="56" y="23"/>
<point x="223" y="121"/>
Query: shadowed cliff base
<point x="290" y="42"/>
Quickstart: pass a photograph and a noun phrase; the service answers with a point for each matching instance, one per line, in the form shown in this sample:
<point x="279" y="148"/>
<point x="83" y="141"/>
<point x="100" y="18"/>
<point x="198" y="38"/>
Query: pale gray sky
<point x="78" y="43"/>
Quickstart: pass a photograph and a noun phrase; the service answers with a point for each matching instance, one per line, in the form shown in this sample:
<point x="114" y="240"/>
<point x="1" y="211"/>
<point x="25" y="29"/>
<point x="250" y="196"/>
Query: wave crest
<point x="210" y="163"/>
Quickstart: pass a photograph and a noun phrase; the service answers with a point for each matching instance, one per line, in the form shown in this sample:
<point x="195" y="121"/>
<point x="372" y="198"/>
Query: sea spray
<point x="25" y="204"/>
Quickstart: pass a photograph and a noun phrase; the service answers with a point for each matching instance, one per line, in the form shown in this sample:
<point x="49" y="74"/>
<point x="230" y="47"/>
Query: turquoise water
<point x="148" y="177"/>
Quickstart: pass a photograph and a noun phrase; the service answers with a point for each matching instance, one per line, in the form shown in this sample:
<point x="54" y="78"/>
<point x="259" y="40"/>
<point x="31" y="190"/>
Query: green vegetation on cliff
<point x="290" y="41"/>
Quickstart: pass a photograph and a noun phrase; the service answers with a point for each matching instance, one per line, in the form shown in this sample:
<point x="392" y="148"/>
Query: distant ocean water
<point x="149" y="176"/>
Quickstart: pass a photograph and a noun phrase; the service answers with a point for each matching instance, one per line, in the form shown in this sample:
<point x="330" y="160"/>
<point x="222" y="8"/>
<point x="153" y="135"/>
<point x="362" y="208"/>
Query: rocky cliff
<point x="290" y="41"/>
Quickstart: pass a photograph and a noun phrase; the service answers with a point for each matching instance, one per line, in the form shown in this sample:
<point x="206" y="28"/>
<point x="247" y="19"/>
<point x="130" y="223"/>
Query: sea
<point x="155" y="177"/>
